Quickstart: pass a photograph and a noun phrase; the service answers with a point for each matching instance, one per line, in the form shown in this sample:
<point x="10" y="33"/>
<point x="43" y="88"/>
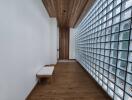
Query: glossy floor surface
<point x="70" y="82"/>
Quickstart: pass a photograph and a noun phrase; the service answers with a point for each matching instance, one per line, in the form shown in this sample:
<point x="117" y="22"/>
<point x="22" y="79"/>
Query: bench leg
<point x="50" y="80"/>
<point x="39" y="80"/>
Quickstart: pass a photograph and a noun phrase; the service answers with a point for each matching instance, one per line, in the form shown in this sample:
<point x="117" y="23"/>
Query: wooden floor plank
<point x="70" y="82"/>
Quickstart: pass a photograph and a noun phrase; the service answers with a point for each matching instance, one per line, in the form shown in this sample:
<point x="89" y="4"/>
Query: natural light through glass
<point x="104" y="46"/>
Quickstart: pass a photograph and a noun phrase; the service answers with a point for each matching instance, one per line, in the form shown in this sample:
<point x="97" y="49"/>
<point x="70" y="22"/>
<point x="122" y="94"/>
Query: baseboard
<point x="68" y="60"/>
<point x="31" y="91"/>
<point x="72" y="59"/>
<point x="93" y="80"/>
<point x="50" y="65"/>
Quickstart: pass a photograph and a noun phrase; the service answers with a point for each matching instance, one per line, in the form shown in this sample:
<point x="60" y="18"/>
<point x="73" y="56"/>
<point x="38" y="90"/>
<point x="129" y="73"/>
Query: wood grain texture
<point x="70" y="82"/>
<point x="68" y="12"/>
<point x="64" y="43"/>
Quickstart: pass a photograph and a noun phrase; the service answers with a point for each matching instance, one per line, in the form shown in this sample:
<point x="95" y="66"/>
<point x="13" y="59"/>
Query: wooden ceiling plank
<point x="49" y="7"/>
<point x="76" y="12"/>
<point x="79" y="10"/>
<point x="66" y="8"/>
<point x="68" y="12"/>
<point x="85" y="10"/>
<point x="73" y="12"/>
<point x="53" y="7"/>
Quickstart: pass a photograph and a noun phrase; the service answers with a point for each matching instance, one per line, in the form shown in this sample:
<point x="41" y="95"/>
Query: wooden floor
<point x="70" y="82"/>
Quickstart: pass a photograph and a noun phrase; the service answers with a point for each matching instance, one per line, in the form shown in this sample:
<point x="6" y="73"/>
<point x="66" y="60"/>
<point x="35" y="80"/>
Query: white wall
<point x="54" y="38"/>
<point x="58" y="43"/>
<point x="72" y="43"/>
<point x="25" y="46"/>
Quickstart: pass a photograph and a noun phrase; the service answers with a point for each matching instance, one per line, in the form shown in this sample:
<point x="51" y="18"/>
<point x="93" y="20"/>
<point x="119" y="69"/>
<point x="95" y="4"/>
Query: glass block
<point x="107" y="52"/>
<point x="122" y="64"/>
<point x="93" y="75"/>
<point x="111" y="85"/>
<point x="105" y="5"/>
<point x="116" y="19"/>
<point x="110" y="7"/>
<point x="128" y="89"/>
<point x="129" y="78"/>
<point x="113" y="61"/>
<point x="96" y="78"/>
<point x="100" y="76"/>
<point x="109" y="15"/>
<point x="101" y="64"/>
<point x="115" y="28"/>
<point x="119" y="91"/>
<point x="102" y="33"/>
<point x="106" y="73"/>
<point x="106" y="59"/>
<point x="130" y="47"/>
<point x="114" y="45"/>
<point x="100" y="82"/>
<point x="100" y="9"/>
<point x="117" y="2"/>
<point x="114" y="37"/>
<point x="124" y="35"/>
<point x="104" y="19"/>
<point x="126" y="4"/>
<point x="102" y="52"/>
<point x="99" y="45"/>
<point x="122" y="55"/>
<point x="101" y="70"/>
<point x="117" y="10"/>
<point x="102" y="45"/>
<point x="113" y="53"/>
<point x="108" y="38"/>
<point x="102" y="39"/>
<point x="105" y="80"/>
<point x="112" y="69"/>
<point x="121" y="74"/>
<point x="109" y="1"/>
<point x="104" y="86"/>
<point x="112" y="77"/>
<point x="120" y="83"/>
<point x="126" y="14"/>
<point x="97" y="67"/>
<point x="109" y="23"/>
<point x="103" y="25"/>
<point x="97" y="62"/>
<point x="104" y="12"/>
<point x="125" y="25"/>
<point x="129" y="68"/>
<point x="99" y="22"/>
<point x="127" y="97"/>
<point x="130" y="56"/>
<point x="110" y="92"/>
<point x="117" y="97"/>
<point x="123" y="45"/>
<point x="108" y="31"/>
<point x="106" y="66"/>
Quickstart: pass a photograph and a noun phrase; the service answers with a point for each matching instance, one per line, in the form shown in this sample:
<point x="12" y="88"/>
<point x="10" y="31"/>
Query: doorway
<point x="63" y="43"/>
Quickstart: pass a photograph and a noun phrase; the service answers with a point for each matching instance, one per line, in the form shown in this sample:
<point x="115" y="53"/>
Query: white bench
<point x="45" y="72"/>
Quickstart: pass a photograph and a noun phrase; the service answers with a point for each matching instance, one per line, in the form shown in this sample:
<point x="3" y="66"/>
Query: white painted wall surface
<point x="53" y="39"/>
<point x="72" y="43"/>
<point x="57" y="42"/>
<point x="25" y="46"/>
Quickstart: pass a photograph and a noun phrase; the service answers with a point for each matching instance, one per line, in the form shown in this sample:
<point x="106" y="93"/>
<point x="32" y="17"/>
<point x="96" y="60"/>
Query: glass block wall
<point x="104" y="46"/>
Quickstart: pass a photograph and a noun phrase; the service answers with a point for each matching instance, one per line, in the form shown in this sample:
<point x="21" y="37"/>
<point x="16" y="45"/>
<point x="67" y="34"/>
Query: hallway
<point x="70" y="82"/>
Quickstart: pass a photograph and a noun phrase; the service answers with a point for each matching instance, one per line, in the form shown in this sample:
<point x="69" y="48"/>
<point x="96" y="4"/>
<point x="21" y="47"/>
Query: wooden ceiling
<point x="69" y="13"/>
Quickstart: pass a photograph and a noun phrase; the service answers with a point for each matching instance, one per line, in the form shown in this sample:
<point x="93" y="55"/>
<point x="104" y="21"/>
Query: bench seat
<point x="45" y="72"/>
